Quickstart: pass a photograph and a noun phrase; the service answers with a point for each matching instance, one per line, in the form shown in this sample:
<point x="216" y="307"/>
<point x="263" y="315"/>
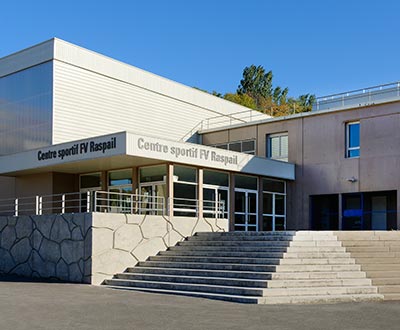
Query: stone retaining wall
<point x="89" y="247"/>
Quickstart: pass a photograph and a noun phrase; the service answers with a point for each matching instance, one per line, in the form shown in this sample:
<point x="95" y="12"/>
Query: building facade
<point x="119" y="139"/>
<point x="85" y="133"/>
<point x="347" y="157"/>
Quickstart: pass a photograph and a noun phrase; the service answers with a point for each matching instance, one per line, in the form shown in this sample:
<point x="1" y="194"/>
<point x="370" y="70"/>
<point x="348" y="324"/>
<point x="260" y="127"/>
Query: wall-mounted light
<point x="352" y="179"/>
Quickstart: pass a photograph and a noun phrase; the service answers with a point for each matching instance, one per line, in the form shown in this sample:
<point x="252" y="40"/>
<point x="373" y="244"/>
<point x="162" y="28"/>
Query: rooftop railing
<point x="359" y="97"/>
<point x="224" y="120"/>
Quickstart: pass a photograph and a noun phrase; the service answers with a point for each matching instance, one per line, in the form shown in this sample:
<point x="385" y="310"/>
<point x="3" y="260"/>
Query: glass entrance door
<point x="353" y="212"/>
<point x="152" y="198"/>
<point x="215" y="201"/>
<point x="246" y="210"/>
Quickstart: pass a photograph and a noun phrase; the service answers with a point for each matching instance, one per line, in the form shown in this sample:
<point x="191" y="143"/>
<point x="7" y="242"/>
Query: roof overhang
<point x="124" y="149"/>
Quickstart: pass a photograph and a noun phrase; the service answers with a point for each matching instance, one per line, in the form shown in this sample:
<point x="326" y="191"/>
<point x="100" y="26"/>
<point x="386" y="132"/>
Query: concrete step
<point x="231" y="290"/>
<point x="383" y="274"/>
<point x="317" y="268"/>
<point x="389" y="289"/>
<point x="314" y="238"/>
<point x="318" y="275"/>
<point x="314" y="243"/>
<point x="211" y="266"/>
<point x="224" y="260"/>
<point x="381" y="260"/>
<point x="380" y="267"/>
<point x="318" y="283"/>
<point x="369" y="243"/>
<point x="386" y="281"/>
<point x="193" y="279"/>
<point x="225" y="297"/>
<point x="367" y="249"/>
<point x="320" y="299"/>
<point x="392" y="296"/>
<point x="240" y="238"/>
<point x="211" y="253"/>
<point x="236" y="243"/>
<point x="324" y="290"/>
<point x="229" y="248"/>
<point x="376" y="254"/>
<point x="201" y="272"/>
<point x="317" y="261"/>
<point x="316" y="249"/>
<point x="315" y="255"/>
<point x="368" y="235"/>
<point x="245" y="233"/>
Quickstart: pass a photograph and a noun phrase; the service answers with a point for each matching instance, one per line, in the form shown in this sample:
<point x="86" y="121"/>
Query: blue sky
<point x="319" y="47"/>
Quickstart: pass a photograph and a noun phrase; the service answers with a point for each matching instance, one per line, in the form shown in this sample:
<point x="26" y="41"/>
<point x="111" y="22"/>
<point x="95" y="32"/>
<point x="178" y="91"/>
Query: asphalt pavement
<point x="28" y="305"/>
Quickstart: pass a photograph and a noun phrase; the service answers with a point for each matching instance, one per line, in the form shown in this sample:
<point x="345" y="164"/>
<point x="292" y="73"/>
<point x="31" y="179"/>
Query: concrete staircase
<point x="378" y="253"/>
<point x="262" y="267"/>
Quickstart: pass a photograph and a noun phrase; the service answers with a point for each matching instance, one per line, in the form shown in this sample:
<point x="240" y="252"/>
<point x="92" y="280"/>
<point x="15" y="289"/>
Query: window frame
<point x="348" y="148"/>
<point x="226" y="146"/>
<point x="281" y="158"/>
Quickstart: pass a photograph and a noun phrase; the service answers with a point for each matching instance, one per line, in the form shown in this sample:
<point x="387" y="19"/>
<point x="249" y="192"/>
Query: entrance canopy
<point x="124" y="149"/>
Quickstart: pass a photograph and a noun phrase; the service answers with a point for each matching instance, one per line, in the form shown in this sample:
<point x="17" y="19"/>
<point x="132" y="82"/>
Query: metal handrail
<point x="107" y="201"/>
<point x="369" y="92"/>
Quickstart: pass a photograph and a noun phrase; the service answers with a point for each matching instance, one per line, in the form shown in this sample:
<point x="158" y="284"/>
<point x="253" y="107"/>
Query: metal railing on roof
<point x="359" y="97"/>
<point x="225" y="120"/>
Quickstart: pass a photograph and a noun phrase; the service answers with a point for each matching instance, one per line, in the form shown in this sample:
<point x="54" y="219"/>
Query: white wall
<point x="94" y="94"/>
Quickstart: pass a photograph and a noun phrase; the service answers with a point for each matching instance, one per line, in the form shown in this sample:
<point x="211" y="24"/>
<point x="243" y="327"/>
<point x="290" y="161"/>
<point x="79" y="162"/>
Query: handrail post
<point x="63" y="204"/>
<point x="95" y="201"/>
<point x="16" y="207"/>
<point x="88" y="201"/>
<point x="37" y="205"/>
<point x="40" y="205"/>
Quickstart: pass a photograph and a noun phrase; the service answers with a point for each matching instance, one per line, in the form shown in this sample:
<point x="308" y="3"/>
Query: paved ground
<point x="58" y="306"/>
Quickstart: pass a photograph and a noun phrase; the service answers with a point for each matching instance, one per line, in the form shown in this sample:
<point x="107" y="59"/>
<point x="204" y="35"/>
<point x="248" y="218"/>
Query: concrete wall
<point x="317" y="147"/>
<point x="120" y="241"/>
<point x="89" y="247"/>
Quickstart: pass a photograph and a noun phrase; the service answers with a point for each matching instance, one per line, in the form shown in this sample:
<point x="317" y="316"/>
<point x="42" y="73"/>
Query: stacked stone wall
<point x="46" y="246"/>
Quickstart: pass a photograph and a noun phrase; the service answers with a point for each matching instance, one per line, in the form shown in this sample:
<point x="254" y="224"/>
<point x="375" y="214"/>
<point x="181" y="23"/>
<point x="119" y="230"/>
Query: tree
<point x="242" y="99"/>
<point x="256" y="91"/>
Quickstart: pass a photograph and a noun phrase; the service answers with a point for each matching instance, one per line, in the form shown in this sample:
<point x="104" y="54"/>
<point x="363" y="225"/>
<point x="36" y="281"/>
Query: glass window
<point x="278" y="147"/>
<point x="153" y="173"/>
<point x="245" y="182"/>
<point x="249" y="147"/>
<point x="246" y="146"/>
<point x="92" y="180"/>
<point x="120" y="177"/>
<point x="26" y="109"/>
<point x="273" y="185"/>
<point x="237" y="146"/>
<point x="222" y="146"/>
<point x="185" y="174"/>
<point x="352" y="139"/>
<point x="216" y="178"/>
<point x="185" y="191"/>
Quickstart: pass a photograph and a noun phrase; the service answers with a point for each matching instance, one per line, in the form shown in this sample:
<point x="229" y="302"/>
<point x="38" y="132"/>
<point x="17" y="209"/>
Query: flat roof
<point x="125" y="149"/>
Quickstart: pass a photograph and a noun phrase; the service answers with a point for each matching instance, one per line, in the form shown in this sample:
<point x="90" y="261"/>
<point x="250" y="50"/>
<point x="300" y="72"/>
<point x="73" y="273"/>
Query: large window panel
<point x="26" y="109"/>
